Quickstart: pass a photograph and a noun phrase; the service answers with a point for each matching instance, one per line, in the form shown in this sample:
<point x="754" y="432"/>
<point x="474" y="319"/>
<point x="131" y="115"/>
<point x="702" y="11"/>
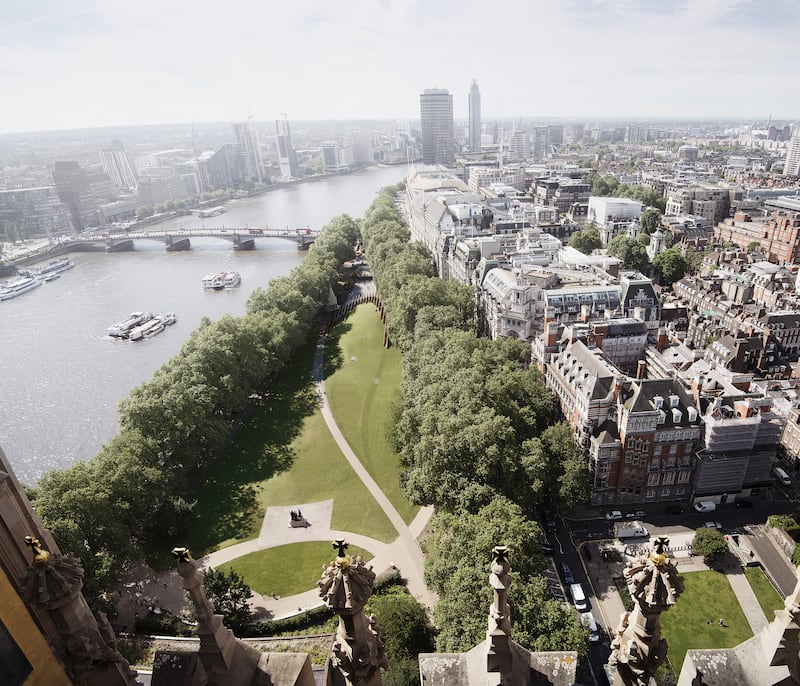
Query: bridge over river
<point x="179" y="239"/>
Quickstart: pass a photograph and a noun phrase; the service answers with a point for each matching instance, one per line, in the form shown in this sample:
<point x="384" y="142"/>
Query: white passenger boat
<point x="232" y="280"/>
<point x="215" y="280"/>
<point x="123" y="329"/>
<point x="55" y="267"/>
<point x="15" y="287"/>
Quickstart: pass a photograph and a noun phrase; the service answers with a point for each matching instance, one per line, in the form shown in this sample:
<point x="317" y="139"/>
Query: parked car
<point x="639" y="514"/>
<point x="566" y="572"/>
<point x="550" y="520"/>
<point x="744" y="504"/>
<point x="588" y="621"/>
<point x="705" y="506"/>
<point x="546" y="548"/>
<point x="674" y="509"/>
<point x="713" y="525"/>
<point x="614" y="514"/>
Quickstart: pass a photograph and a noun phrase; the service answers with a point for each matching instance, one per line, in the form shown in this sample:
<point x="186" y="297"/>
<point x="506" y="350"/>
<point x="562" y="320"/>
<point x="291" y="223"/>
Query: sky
<point x="86" y="63"/>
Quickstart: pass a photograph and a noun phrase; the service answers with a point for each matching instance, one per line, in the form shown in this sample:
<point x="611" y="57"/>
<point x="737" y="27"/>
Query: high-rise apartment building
<point x="118" y="166"/>
<point x="474" y="118"/>
<point x="792" y="165"/>
<point x="246" y="137"/>
<point x="286" y="156"/>
<point x="436" y="122"/>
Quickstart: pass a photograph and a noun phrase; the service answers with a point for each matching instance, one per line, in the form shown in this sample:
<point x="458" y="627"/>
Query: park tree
<point x="650" y="220"/>
<point x="711" y="544"/>
<point x="456" y="567"/>
<point x="586" y="241"/>
<point x="230" y="596"/>
<point x="671" y="264"/>
<point x="405" y="631"/>
<point x="144" y="211"/>
<point x="630" y="251"/>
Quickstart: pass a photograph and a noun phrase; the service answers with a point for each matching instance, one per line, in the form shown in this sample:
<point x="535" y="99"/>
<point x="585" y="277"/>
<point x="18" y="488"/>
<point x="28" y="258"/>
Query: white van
<point x="782" y="476"/>
<point x="588" y="621"/>
<point x="578" y="597"/>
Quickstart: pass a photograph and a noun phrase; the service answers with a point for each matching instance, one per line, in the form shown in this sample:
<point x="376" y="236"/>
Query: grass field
<point x="282" y="455"/>
<point x="767" y="596"/>
<point x="694" y="621"/>
<point x="265" y="571"/>
<point x="362" y="381"/>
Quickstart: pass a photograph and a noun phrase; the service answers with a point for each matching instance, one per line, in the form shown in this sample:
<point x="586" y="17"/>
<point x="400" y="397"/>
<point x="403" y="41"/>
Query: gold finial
<point x="658" y="556"/>
<point x="40" y="555"/>
<point x="181" y="554"/>
<point x="342" y="559"/>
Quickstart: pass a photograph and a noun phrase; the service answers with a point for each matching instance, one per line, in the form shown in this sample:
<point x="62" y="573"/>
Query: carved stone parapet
<point x="357" y="653"/>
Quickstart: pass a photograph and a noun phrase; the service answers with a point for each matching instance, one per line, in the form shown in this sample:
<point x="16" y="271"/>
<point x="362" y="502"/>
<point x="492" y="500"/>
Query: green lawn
<point x="321" y="472"/>
<point x="694" y="621"/>
<point x="265" y="570"/>
<point x="767" y="596"/>
<point x="362" y="382"/>
<point x="282" y="455"/>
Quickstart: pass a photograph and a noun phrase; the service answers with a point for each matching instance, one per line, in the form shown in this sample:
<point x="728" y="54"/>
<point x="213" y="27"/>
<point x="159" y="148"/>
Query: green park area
<point x="765" y="592"/>
<point x="282" y="455"/>
<point x="363" y="383"/>
<point x="287" y="569"/>
<point x="694" y="621"/>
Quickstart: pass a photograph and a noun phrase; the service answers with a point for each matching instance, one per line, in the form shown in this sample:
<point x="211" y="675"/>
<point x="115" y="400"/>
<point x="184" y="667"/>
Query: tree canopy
<point x="711" y="544"/>
<point x="671" y="264"/>
<point x="630" y="251"/>
<point x="586" y="240"/>
<point x="650" y="220"/>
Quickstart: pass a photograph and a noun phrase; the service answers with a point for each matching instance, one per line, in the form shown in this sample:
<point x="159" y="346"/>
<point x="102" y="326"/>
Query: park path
<point x="407" y="554"/>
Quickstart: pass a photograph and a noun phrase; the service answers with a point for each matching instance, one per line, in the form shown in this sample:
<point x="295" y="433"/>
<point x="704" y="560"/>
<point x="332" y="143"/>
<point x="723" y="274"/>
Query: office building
<point x="74" y="190"/>
<point x="286" y="155"/>
<point x="246" y="137"/>
<point x="436" y="122"/>
<point x="474" y="118"/>
<point x="33" y="212"/>
<point x="117" y="165"/>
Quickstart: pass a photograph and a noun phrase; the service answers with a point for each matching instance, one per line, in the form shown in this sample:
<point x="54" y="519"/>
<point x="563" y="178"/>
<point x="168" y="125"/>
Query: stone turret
<point x="637" y="648"/>
<point x="357" y="652"/>
<point x="498" y="637"/>
<point x="53" y="582"/>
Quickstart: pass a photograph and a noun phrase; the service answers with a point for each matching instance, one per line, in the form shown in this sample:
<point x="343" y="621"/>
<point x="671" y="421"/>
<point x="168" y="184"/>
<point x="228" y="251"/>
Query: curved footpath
<point x="403" y="553"/>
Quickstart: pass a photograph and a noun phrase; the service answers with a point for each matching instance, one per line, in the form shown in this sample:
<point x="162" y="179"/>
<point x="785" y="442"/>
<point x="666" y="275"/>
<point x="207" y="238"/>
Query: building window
<point x="651" y="493"/>
<point x="665" y="492"/>
<point x="680" y="490"/>
<point x="668" y="479"/>
<point x="652" y="479"/>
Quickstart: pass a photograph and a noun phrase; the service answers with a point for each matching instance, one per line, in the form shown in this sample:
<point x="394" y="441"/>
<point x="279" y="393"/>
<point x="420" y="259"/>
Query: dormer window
<point x="676" y="415"/>
<point x="692" y="412"/>
<point x="674" y="400"/>
<point x="658" y="402"/>
<point x="662" y="416"/>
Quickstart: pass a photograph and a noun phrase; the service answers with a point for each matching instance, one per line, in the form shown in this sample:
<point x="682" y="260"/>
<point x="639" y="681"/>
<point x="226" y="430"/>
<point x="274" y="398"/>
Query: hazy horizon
<point x="93" y="64"/>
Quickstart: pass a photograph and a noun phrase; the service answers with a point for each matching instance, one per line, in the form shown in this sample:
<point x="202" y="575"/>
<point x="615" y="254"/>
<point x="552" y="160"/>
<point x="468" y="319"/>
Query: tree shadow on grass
<point x="333" y="352"/>
<point x="227" y="495"/>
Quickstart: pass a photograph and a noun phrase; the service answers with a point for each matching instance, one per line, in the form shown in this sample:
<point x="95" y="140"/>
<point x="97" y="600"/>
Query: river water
<point x="61" y="377"/>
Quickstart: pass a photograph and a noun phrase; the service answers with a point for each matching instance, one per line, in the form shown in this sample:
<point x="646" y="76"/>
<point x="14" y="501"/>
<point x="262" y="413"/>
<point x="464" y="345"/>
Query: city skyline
<point x="85" y="64"/>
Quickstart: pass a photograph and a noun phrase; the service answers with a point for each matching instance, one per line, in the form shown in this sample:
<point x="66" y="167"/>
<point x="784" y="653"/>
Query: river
<point x="61" y="377"/>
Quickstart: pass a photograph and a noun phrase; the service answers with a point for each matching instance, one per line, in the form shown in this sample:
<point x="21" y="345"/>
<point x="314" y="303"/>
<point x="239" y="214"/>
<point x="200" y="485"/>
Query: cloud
<point x="94" y="62"/>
